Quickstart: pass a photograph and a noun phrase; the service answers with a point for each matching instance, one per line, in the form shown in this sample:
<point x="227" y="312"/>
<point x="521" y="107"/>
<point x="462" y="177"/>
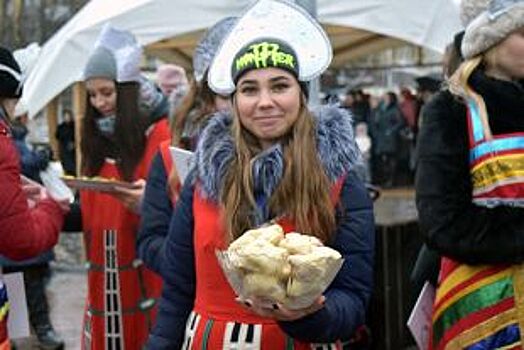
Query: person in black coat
<point x="65" y="134"/>
<point x="475" y="220"/>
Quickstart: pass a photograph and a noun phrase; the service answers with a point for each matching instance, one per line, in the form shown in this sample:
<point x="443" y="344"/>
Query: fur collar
<point x="337" y="152"/>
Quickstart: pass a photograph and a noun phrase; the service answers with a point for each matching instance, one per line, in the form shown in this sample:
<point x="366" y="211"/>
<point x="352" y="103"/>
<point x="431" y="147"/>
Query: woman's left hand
<point x="277" y="311"/>
<point x="131" y="198"/>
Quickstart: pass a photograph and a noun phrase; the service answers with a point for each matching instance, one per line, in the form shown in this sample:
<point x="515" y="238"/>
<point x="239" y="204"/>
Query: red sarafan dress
<point x="122" y="293"/>
<point x="217" y="320"/>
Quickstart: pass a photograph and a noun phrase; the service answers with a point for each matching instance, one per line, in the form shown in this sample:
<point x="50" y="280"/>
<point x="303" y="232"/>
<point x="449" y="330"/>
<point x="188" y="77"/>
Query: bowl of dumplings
<point x="292" y="269"/>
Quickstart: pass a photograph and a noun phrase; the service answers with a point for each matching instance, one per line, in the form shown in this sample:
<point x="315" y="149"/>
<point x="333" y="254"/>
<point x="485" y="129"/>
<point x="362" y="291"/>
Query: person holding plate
<point x="125" y="121"/>
<point x="270" y="159"/>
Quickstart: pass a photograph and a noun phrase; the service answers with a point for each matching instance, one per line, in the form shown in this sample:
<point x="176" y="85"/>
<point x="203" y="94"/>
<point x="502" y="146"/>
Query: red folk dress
<point x="217" y="320"/>
<point x="122" y="293"/>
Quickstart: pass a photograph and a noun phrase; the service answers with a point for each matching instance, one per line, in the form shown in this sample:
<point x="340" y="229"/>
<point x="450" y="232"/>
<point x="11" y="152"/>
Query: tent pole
<point x="79" y="101"/>
<point x="52" y="123"/>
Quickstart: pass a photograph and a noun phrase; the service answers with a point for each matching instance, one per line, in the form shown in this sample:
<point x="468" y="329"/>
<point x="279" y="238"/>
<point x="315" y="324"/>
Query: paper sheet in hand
<point x="51" y="178"/>
<point x="183" y="160"/>
<point x="18" y="320"/>
<point x="419" y="322"/>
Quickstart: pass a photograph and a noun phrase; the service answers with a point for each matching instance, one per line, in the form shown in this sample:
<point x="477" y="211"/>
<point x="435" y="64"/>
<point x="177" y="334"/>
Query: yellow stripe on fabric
<point x="4" y="310"/>
<point x="506" y="157"/>
<point x="518" y="294"/>
<point x="483" y="330"/>
<point x="457" y="276"/>
<point x="507" y="178"/>
<point x="471" y="288"/>
<point x="510" y="346"/>
<point x="496" y="169"/>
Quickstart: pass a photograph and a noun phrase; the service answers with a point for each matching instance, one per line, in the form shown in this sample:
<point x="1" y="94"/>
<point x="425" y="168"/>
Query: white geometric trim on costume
<point x="191" y="327"/>
<point x="114" y="333"/>
<point x="242" y="336"/>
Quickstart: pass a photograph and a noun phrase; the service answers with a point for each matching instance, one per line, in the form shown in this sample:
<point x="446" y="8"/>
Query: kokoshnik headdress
<point x="272" y="33"/>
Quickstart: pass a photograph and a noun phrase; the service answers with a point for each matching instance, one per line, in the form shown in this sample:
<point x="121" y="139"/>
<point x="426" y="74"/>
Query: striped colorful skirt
<point x="478" y="307"/>
<point x="205" y="333"/>
<point x="4" y="311"/>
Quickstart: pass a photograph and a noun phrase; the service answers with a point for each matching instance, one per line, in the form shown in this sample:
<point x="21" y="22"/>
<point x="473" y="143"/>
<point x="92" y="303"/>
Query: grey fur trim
<point x="268" y="169"/>
<point x="214" y="152"/>
<point x="337" y="151"/>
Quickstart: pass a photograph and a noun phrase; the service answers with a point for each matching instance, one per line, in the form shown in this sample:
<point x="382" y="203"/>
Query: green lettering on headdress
<point x="265" y="54"/>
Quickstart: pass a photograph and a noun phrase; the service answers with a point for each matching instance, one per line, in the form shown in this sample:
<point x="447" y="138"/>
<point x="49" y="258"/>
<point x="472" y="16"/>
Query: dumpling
<point x="266" y="286"/>
<point x="297" y="288"/>
<point x="313" y="266"/>
<point x="272" y="234"/>
<point x="263" y="257"/>
<point x="297" y="243"/>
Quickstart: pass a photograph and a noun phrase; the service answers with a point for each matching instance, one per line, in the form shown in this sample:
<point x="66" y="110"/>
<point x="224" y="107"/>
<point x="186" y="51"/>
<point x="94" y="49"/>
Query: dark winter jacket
<point x="386" y="124"/>
<point x="453" y="226"/>
<point x="346" y="299"/>
<point x="31" y="161"/>
<point x="156" y="212"/>
<point x="65" y="134"/>
<point x="24" y="232"/>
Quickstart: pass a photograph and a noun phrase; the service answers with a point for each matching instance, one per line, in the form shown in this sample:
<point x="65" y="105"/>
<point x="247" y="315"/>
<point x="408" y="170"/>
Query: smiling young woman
<point x="270" y="158"/>
<point x="268" y="103"/>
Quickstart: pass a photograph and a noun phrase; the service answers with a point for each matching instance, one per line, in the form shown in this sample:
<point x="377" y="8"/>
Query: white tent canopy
<point x="429" y="24"/>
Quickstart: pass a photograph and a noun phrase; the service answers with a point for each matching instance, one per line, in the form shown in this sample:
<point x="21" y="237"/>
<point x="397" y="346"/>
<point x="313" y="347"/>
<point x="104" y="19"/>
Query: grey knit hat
<point x="488" y="23"/>
<point x="101" y="64"/>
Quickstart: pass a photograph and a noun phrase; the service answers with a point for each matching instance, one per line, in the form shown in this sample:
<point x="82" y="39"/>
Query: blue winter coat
<point x="155" y="216"/>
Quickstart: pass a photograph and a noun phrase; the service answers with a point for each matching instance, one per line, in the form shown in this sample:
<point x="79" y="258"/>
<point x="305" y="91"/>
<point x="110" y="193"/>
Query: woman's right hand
<point x="279" y="312"/>
<point x="35" y="193"/>
<point x="64" y="204"/>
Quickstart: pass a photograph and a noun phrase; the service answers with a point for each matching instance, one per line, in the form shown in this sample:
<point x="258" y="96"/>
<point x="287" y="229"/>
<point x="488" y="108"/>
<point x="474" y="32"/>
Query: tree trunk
<point x="17" y="22"/>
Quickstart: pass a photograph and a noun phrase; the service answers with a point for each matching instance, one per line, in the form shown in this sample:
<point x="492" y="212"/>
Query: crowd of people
<point x="262" y="155"/>
<point x="390" y="123"/>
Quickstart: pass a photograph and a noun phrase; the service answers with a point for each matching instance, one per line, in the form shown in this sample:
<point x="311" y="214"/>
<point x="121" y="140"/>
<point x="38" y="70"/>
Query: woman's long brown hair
<point x="128" y="142"/>
<point x="459" y="86"/>
<point x="303" y="194"/>
<point x="199" y="100"/>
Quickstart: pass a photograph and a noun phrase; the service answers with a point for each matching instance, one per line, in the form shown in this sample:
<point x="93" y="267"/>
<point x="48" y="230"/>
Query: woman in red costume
<point x="270" y="158"/>
<point x="124" y="123"/>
